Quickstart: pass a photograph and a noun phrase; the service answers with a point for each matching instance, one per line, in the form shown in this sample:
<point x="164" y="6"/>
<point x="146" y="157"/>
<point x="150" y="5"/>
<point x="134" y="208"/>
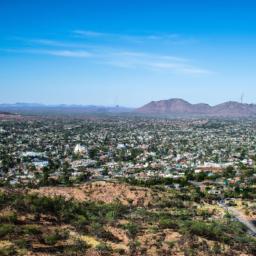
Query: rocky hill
<point x="182" y="107"/>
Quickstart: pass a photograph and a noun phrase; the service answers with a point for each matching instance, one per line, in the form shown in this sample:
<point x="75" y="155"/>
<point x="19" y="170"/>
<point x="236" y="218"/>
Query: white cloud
<point x="128" y="37"/>
<point x="67" y="53"/>
<point x="126" y="59"/>
<point x="58" y="53"/>
<point x="153" y="62"/>
<point x="89" y="33"/>
<point x="108" y="54"/>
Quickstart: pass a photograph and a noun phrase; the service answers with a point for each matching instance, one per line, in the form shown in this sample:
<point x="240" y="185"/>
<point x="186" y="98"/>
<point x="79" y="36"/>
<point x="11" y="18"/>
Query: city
<point x="145" y="164"/>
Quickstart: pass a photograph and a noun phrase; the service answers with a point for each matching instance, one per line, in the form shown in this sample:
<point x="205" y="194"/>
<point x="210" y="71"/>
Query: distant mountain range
<point x="36" y="108"/>
<point x="171" y="107"/>
<point x="180" y="107"/>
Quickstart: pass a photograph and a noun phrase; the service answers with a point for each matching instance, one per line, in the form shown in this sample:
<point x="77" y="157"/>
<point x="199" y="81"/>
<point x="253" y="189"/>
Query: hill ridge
<point x="179" y="106"/>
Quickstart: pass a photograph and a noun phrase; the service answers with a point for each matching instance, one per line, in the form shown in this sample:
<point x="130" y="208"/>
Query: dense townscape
<point x="126" y="185"/>
<point x="38" y="151"/>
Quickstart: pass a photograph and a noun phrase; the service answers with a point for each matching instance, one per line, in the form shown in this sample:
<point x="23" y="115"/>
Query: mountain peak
<point x="177" y="106"/>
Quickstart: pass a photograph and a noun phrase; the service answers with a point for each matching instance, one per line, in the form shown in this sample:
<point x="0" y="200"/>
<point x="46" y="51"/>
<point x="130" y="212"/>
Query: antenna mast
<point x="242" y="98"/>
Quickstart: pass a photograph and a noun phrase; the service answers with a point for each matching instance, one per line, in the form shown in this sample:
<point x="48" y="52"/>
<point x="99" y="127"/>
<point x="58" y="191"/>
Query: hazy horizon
<point x="117" y="105"/>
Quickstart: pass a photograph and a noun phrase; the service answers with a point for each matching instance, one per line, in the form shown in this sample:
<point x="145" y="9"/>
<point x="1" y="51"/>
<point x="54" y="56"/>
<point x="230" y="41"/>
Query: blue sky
<point x="127" y="52"/>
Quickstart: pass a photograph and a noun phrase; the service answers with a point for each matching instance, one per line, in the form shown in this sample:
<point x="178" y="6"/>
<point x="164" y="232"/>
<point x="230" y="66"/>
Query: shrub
<point x="54" y="237"/>
<point x="7" y="248"/>
<point x="104" y="248"/>
<point x="6" y="229"/>
<point x="51" y="239"/>
<point x="22" y="243"/>
<point x="78" y="248"/>
<point x="31" y="230"/>
<point x="167" y="223"/>
<point x="132" y="229"/>
<point x="10" y="217"/>
<point x="80" y="221"/>
<point x="8" y="251"/>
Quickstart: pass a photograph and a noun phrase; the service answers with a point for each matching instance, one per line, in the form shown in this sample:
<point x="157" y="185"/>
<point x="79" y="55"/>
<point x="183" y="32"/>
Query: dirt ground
<point x="101" y="191"/>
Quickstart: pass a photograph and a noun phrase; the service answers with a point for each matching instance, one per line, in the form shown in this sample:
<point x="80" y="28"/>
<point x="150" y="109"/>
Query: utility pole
<point x="242" y="98"/>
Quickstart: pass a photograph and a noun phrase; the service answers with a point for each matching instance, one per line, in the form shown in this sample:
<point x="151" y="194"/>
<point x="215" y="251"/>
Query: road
<point x="234" y="212"/>
<point x="240" y="217"/>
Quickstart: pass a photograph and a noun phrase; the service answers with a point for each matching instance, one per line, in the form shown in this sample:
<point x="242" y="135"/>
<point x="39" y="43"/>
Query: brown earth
<point x="102" y="191"/>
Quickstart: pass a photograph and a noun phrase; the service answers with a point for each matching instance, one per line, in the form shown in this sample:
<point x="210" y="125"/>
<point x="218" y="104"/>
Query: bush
<point x="22" y="243"/>
<point x="54" y="237"/>
<point x="167" y="223"/>
<point x="207" y="230"/>
<point x="62" y="233"/>
<point x="80" y="221"/>
<point x="51" y="239"/>
<point x="229" y="233"/>
<point x="31" y="230"/>
<point x="78" y="248"/>
<point x="10" y="217"/>
<point x="8" y="251"/>
<point x="104" y="248"/>
<point x="6" y="229"/>
<point x="132" y="229"/>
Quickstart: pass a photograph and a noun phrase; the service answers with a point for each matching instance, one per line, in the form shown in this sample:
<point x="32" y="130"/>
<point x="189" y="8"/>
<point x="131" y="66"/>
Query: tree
<point x="46" y="173"/>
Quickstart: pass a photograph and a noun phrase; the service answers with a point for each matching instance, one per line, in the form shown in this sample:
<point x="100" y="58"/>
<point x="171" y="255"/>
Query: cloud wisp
<point x="170" y="38"/>
<point x="67" y="53"/>
<point x="50" y="52"/>
<point x="153" y="62"/>
<point x="123" y="56"/>
<point x="120" y="59"/>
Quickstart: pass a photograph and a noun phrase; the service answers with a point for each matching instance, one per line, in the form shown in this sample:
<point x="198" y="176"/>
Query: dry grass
<point x="101" y="191"/>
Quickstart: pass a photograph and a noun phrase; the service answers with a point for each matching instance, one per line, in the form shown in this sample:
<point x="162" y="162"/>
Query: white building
<point x="79" y="149"/>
